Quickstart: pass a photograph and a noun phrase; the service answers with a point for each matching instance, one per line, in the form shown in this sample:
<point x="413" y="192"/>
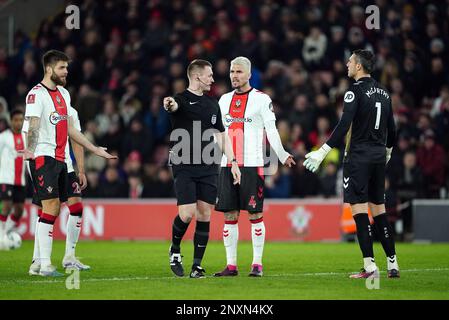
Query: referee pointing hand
<point x="195" y="172"/>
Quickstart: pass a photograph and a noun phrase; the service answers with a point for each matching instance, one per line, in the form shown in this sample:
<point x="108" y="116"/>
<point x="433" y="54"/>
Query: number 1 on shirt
<point x="379" y="109"/>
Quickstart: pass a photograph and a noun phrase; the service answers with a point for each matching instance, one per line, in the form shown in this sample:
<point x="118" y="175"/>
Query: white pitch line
<point x="62" y="279"/>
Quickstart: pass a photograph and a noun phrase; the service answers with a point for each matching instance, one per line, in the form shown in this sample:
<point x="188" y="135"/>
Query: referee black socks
<point x="179" y="228"/>
<point x="385" y="233"/>
<point x="364" y="234"/>
<point x="200" y="241"/>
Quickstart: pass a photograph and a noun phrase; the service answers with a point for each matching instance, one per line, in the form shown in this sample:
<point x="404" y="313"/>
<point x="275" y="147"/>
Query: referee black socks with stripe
<point x="179" y="228"/>
<point x="200" y="241"/>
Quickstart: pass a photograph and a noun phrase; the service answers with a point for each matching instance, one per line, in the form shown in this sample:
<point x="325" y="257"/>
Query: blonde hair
<point x="242" y="61"/>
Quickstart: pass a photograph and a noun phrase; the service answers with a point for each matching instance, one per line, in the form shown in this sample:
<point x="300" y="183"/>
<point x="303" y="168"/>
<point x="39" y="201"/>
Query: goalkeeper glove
<point x="389" y="151"/>
<point x="314" y="158"/>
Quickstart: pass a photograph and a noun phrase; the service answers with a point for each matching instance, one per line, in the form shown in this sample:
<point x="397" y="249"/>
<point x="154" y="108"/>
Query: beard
<point x="58" y="80"/>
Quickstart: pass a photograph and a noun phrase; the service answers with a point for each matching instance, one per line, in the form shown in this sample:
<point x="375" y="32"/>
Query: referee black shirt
<point x="200" y="117"/>
<point x="367" y="106"/>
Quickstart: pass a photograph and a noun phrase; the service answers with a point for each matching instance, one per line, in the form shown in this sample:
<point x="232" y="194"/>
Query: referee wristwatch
<point x="234" y="161"/>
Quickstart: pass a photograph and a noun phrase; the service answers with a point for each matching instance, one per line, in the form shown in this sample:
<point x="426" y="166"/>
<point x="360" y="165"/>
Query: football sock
<point x="200" y="240"/>
<point x="364" y="234"/>
<point x="2" y="226"/>
<point x="179" y="228"/>
<point x="230" y="240"/>
<point x="385" y="234"/>
<point x="45" y="234"/>
<point x="15" y="220"/>
<point x="73" y="228"/>
<point x="36" y="254"/>
<point x="258" y="237"/>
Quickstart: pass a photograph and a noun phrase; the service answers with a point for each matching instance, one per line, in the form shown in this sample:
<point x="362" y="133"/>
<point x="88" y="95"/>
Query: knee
<point x="18" y="210"/>
<point x="7" y="206"/>
<point x="186" y="215"/>
<point x="203" y="214"/>
<point x="255" y="216"/>
<point x="231" y="216"/>
<point x="51" y="206"/>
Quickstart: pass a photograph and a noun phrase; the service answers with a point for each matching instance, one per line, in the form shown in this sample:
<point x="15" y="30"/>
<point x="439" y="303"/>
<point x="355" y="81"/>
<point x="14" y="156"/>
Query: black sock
<point x="364" y="234"/>
<point x="200" y="241"/>
<point x="179" y="228"/>
<point x="385" y="233"/>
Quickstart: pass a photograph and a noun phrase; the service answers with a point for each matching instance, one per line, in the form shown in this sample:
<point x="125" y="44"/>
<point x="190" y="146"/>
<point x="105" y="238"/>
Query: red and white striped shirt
<point x="12" y="166"/>
<point x="246" y="117"/>
<point x="51" y="106"/>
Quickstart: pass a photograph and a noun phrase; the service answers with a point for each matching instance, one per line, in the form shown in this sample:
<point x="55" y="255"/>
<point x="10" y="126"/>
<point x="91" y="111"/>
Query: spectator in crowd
<point x="431" y="158"/>
<point x="113" y="186"/>
<point x="408" y="183"/>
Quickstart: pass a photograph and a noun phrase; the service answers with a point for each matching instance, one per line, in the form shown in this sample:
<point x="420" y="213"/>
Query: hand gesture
<point x="290" y="161"/>
<point x="101" y="152"/>
<point x="235" y="170"/>
<point x="170" y="104"/>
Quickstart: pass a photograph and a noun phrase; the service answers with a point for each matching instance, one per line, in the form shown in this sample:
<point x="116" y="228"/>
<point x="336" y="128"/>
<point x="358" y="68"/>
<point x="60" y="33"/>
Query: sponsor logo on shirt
<point x="230" y="120"/>
<point x="56" y="117"/>
<point x="349" y="96"/>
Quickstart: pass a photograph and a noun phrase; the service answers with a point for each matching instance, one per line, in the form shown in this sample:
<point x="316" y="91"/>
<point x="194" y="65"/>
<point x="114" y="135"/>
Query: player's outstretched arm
<point x="82" y="140"/>
<point x="224" y="142"/>
<point x="276" y="143"/>
<point x="170" y="104"/>
<point x="78" y="151"/>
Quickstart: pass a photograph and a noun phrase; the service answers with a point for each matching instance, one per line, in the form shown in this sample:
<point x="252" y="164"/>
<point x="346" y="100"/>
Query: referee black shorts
<point x="248" y="195"/>
<point x="364" y="182"/>
<point x="189" y="188"/>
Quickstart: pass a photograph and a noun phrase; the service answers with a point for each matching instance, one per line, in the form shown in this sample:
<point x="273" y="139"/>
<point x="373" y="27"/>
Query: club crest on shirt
<point x="56" y="117"/>
<point x="58" y="99"/>
<point x="214" y="119"/>
<point x="50" y="189"/>
<point x="238" y="103"/>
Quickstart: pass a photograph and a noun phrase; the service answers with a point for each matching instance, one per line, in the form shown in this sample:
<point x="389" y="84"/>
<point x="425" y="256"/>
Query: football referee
<point x="368" y="116"/>
<point x="196" y="123"/>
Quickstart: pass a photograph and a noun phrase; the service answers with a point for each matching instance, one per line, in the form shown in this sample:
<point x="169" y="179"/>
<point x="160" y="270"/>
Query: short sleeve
<point x="219" y="123"/>
<point x="72" y="113"/>
<point x="25" y="126"/>
<point x="34" y="104"/>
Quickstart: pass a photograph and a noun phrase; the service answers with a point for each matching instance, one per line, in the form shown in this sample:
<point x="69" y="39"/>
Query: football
<point x="14" y="240"/>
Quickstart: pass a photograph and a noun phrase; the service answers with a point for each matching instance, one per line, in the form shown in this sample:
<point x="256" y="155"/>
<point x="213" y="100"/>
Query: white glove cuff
<point x="325" y="149"/>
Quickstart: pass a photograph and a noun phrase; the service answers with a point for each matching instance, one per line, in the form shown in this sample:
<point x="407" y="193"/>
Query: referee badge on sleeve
<point x="213" y="120"/>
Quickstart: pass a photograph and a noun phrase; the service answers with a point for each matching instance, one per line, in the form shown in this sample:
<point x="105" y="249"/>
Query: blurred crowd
<point x="128" y="55"/>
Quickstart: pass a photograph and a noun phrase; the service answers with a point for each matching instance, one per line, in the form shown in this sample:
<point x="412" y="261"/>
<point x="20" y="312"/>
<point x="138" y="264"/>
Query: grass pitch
<point x="140" y="270"/>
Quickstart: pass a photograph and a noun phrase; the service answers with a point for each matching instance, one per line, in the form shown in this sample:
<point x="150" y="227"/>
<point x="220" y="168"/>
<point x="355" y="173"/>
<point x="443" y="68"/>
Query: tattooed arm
<point x="32" y="137"/>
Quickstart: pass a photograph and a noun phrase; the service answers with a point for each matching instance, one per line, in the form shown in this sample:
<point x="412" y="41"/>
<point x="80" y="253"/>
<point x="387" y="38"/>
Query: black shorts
<point x="11" y="192"/>
<point x="73" y="185"/>
<point x="364" y="182"/>
<point x="49" y="179"/>
<point x="189" y="188"/>
<point x="248" y="195"/>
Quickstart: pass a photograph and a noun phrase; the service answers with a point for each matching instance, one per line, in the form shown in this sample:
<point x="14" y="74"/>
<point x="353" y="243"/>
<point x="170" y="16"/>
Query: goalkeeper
<point x="368" y="116"/>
